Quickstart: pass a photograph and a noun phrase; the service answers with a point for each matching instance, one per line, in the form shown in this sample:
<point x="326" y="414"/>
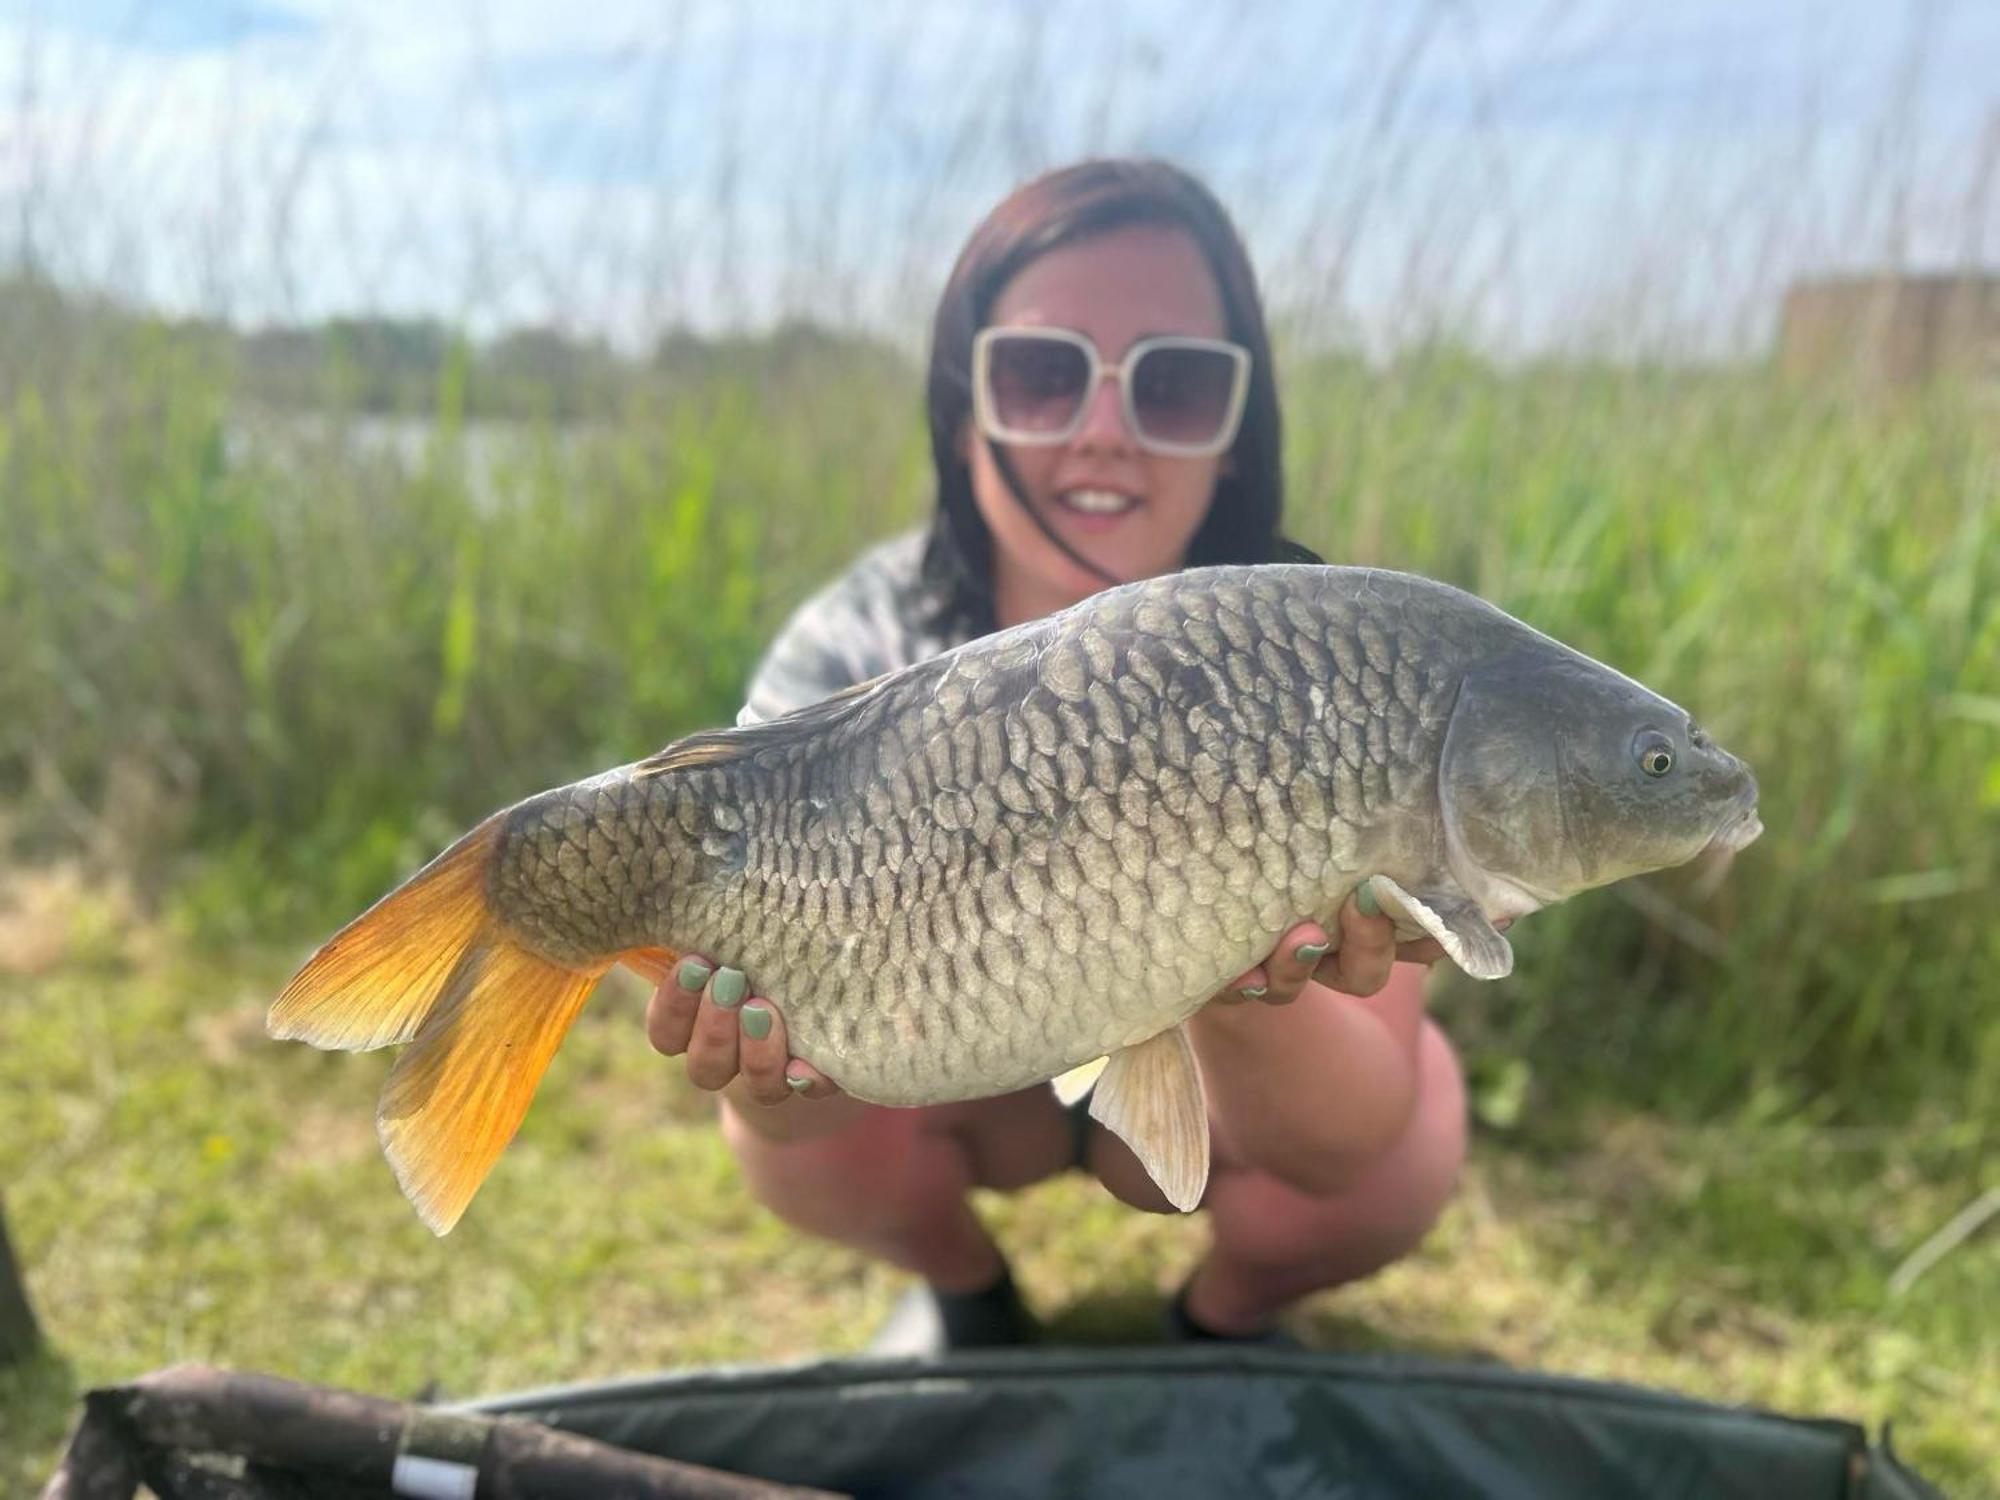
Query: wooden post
<point x="99" y="1463"/>
<point x="327" y="1441"/>
<point x="19" y="1337"/>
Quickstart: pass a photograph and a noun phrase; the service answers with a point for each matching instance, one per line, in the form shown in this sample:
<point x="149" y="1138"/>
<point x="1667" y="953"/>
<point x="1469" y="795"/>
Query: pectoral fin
<point x="1455" y="921"/>
<point x="1150" y="1098"/>
<point x="1078" y="1081"/>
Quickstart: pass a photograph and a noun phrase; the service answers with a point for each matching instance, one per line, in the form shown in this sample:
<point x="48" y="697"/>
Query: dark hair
<point x="1059" y="208"/>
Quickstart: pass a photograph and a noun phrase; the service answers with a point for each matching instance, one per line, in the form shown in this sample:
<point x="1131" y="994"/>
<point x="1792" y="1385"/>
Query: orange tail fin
<point x="429" y="964"/>
<point x="455" y="1098"/>
<point x="372" y="983"/>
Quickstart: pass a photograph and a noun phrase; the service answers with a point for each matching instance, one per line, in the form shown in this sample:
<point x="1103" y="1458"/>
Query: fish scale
<point x="1044" y="847"/>
<point x="1067" y="836"/>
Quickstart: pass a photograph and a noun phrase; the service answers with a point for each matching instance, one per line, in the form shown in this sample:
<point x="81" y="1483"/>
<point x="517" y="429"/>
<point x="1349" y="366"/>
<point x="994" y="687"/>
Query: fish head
<point x="1559" y="775"/>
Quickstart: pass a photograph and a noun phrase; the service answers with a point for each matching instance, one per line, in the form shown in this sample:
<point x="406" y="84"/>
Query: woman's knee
<point x="899" y="1169"/>
<point x="1410" y="1181"/>
<point x="1427" y="1148"/>
<point x="818" y="1183"/>
<point x="1408" y="1186"/>
<point x="1427" y="1162"/>
<point x="1388" y="1204"/>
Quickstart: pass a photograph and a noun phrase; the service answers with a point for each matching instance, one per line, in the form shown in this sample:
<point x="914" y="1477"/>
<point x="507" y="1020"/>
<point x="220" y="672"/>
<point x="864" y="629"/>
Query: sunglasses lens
<point x="1035" y="384"/>
<point x="1183" y="396"/>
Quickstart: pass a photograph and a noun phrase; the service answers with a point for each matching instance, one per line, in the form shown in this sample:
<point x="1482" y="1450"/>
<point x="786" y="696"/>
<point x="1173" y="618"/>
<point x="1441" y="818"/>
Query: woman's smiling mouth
<point x="1097" y="504"/>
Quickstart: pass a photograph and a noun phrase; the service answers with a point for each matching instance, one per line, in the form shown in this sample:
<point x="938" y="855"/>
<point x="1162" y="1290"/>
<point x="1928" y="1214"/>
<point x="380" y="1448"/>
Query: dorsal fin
<point x="716" y="747"/>
<point x="1001" y="653"/>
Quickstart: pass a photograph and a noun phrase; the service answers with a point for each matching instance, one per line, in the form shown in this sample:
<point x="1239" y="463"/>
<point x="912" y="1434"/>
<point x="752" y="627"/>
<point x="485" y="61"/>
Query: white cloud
<point x="1533" y="171"/>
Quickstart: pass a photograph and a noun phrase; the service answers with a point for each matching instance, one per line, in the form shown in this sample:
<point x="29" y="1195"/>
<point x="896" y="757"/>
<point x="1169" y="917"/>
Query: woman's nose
<point x="1104" y="419"/>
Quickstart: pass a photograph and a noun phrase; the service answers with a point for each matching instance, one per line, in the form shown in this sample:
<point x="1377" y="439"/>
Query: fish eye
<point x="1655" y="752"/>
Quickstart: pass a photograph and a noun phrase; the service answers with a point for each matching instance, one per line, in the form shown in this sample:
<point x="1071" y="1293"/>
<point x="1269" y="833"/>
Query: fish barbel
<point x="1048" y="846"/>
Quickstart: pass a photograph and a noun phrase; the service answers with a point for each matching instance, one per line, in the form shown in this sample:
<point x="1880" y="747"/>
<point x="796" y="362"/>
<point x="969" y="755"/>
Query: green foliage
<point x="268" y="666"/>
<point x="180" y="1187"/>
<point x="326" y="648"/>
<point x="279" y="660"/>
<point x="1819" y="583"/>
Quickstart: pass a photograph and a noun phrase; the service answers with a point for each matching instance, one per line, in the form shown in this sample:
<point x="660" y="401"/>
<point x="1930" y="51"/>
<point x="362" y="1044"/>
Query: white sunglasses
<point x="1183" y="396"/>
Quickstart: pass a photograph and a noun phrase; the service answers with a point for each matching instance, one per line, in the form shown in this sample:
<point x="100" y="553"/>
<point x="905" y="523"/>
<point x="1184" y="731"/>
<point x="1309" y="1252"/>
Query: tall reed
<point x="282" y="673"/>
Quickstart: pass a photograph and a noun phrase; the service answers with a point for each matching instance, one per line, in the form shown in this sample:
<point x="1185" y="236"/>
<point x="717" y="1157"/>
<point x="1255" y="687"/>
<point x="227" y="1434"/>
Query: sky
<point x="1529" y="174"/>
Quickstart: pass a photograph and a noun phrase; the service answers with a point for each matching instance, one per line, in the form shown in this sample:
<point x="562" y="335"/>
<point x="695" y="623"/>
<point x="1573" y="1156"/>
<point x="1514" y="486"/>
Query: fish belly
<point x="1058" y="842"/>
<point x="1031" y="851"/>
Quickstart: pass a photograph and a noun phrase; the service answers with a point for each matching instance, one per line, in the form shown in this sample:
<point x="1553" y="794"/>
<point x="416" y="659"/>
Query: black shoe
<point x="926" y="1322"/>
<point x="1179" y="1327"/>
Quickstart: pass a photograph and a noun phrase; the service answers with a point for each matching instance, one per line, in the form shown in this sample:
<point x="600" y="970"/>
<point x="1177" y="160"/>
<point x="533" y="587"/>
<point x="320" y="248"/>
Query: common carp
<point x="1049" y="846"/>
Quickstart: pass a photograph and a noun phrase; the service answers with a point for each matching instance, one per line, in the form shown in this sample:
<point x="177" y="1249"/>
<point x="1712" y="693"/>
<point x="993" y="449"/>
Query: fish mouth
<point x="1740" y="829"/>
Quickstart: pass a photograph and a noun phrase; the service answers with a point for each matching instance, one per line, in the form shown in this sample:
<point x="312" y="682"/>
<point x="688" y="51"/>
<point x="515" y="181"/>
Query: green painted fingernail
<point x="1310" y="953"/>
<point x="729" y="988"/>
<point x="1364" y="900"/>
<point x="693" y="974"/>
<point x="756" y="1022"/>
<point x="797" y="1082"/>
<point x="1254" y="991"/>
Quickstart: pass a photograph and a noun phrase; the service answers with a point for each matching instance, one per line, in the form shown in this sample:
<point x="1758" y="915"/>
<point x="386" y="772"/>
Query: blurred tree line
<point x="394" y="366"/>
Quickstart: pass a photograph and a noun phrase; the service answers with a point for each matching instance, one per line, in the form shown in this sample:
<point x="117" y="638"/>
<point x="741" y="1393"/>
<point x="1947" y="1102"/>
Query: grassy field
<point x="240" y="693"/>
<point x="274" y="684"/>
<point x="183" y="1189"/>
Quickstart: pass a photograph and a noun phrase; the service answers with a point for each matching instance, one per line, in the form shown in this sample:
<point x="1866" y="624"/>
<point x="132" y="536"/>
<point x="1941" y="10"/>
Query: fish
<point x="1033" y="857"/>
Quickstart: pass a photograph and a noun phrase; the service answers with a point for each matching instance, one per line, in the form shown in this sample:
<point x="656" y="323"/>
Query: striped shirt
<point x="866" y="622"/>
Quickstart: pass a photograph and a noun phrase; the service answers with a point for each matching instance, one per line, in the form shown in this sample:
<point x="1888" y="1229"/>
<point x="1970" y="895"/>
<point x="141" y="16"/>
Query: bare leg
<point x="893" y="1184"/>
<point x="1274" y="1244"/>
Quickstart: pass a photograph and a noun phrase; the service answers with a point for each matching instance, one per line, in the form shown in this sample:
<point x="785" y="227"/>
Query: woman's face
<point x="1131" y="512"/>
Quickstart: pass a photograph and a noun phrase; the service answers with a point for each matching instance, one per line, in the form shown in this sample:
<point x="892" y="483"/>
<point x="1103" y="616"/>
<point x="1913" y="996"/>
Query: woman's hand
<point x="727" y="1033"/>
<point x="1358" y="964"/>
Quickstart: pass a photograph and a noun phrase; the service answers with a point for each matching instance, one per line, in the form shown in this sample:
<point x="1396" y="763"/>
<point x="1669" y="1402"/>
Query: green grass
<point x="1818" y="581"/>
<point x="273" y="682"/>
<point x="258" y="687"/>
<point x="181" y="1188"/>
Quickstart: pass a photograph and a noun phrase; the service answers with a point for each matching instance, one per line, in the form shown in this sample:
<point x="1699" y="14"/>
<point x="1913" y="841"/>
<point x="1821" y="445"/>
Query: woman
<point x="1102" y="409"/>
